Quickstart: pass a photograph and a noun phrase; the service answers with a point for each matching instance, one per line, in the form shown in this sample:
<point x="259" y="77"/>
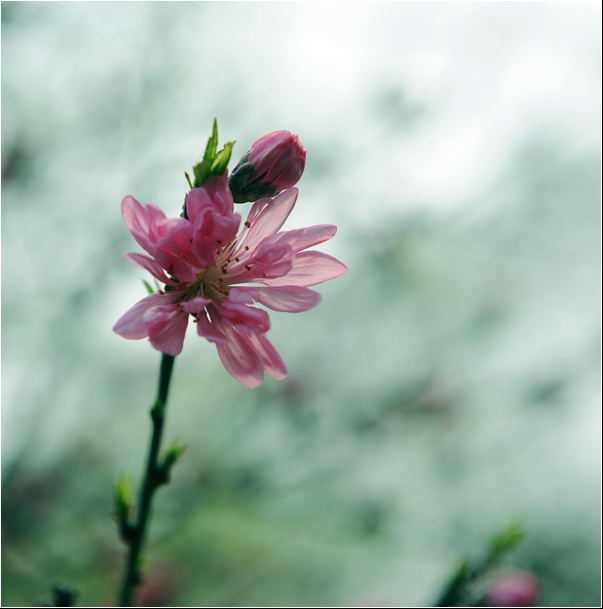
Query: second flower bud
<point x="274" y="163"/>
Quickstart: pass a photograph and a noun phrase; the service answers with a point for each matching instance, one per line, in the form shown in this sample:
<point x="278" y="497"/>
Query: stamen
<point x="248" y="224"/>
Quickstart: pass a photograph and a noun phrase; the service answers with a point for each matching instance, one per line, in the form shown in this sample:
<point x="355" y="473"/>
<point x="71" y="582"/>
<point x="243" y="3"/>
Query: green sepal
<point x="148" y="287"/>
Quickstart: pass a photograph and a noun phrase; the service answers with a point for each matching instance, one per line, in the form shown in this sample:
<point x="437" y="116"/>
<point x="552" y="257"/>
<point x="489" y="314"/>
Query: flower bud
<point x="518" y="589"/>
<point x="274" y="163"/>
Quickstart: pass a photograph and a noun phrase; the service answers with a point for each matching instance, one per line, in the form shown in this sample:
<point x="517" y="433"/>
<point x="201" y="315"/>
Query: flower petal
<point x="148" y="264"/>
<point x="208" y="330"/>
<point x="131" y="324"/>
<point x="244" y="318"/>
<point x="290" y="299"/>
<point x="135" y="218"/>
<point x="309" y="268"/>
<point x="303" y="238"/>
<point x="241" y="358"/>
<point x="214" y="193"/>
<point x="167" y="334"/>
<point x="195" y="305"/>
<point x="273" y="362"/>
<point x="271" y="218"/>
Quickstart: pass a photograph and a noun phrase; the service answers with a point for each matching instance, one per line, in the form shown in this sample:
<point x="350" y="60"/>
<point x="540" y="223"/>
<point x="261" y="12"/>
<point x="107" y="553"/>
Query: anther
<point x="248" y="224"/>
<point x="247" y="267"/>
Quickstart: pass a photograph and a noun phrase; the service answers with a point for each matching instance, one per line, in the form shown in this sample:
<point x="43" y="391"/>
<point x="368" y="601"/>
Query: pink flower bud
<point x="518" y="589"/>
<point x="274" y="163"/>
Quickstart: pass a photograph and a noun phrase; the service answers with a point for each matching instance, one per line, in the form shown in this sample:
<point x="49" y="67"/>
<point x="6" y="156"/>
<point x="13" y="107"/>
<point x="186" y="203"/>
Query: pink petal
<point x="272" y="217"/>
<point x="244" y="318"/>
<point x="257" y="208"/>
<point x="135" y="218"/>
<point x="213" y="193"/>
<point x="303" y="238"/>
<point x="172" y="235"/>
<point x="219" y="192"/>
<point x="208" y="330"/>
<point x="241" y="358"/>
<point x="131" y="325"/>
<point x="309" y="268"/>
<point x="144" y="262"/>
<point x="290" y="299"/>
<point x="166" y="239"/>
<point x="167" y="335"/>
<point x="273" y="363"/>
<point x="183" y="270"/>
<point x="195" y="305"/>
<point x="271" y="260"/>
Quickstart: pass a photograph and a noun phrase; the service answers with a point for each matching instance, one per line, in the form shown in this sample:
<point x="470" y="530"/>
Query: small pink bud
<point x="274" y="163"/>
<point x="518" y="589"/>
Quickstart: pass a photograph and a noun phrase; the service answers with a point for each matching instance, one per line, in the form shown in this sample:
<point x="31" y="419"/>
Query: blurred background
<point x="447" y="385"/>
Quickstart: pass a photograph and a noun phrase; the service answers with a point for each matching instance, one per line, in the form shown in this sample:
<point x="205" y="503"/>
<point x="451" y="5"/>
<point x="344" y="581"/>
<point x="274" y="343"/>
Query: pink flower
<point x="207" y="268"/>
<point x="274" y="163"/>
<point x="517" y="589"/>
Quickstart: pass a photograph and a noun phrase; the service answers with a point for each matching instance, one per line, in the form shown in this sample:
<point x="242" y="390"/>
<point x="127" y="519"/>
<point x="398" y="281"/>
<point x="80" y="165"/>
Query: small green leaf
<point x="202" y="172"/>
<point x="505" y="540"/>
<point x="148" y="287"/>
<point x="173" y="454"/>
<point x="188" y="179"/>
<point x="123" y="499"/>
<point x="212" y="144"/>
<point x="222" y="159"/>
<point x="213" y="163"/>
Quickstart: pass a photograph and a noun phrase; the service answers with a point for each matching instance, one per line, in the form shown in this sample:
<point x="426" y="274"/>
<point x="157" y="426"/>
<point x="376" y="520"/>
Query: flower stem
<point x="153" y="478"/>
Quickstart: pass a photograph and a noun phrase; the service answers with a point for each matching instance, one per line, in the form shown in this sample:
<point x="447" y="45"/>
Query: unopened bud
<point x="518" y="589"/>
<point x="274" y="163"/>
